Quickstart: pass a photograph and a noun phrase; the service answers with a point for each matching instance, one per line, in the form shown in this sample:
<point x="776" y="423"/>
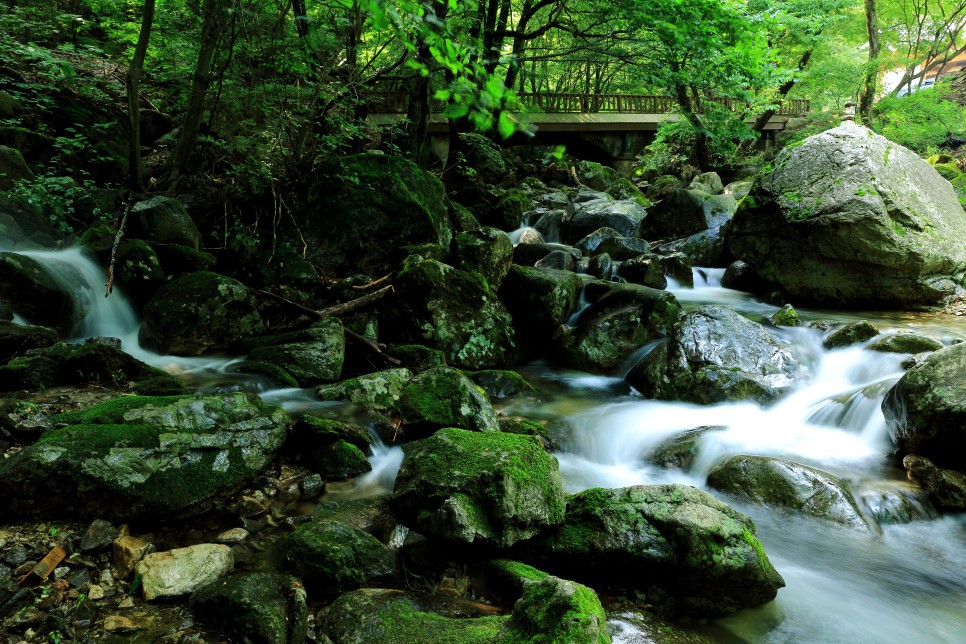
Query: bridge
<point x="611" y="128"/>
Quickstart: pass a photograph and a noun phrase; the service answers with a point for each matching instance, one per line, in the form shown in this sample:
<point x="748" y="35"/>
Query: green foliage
<point x="921" y="121"/>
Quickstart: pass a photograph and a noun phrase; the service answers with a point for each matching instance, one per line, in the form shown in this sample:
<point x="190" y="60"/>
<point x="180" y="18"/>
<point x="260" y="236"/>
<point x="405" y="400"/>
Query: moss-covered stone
<point x="503" y="384"/>
<point x="138" y="271"/>
<point x="645" y="270"/>
<point x="469" y="487"/>
<point x="143" y="456"/>
<point x="372" y="515"/>
<point x="16" y="339"/>
<point x="681" y="451"/>
<point x="786" y="316"/>
<point x="361" y="208"/>
<point x="337" y="461"/>
<point x="540" y="300"/>
<point x="13" y="168"/>
<point x="164" y="220"/>
<point x="554" y="610"/>
<point x="379" y="390"/>
<point x="200" y="311"/>
<point x="333" y="558"/>
<point x="486" y="251"/>
<point x="786" y="484"/>
<point x="256" y="606"/>
<point x="696" y="549"/>
<point x="454" y="310"/>
<point x="851" y="333"/>
<point x="378" y="616"/>
<point x="906" y="343"/>
<point x="418" y="357"/>
<point x="177" y="259"/>
<point x="444" y="397"/>
<point x="309" y="362"/>
<point x="30" y="291"/>
<point x="507" y="212"/>
<point x="310" y="432"/>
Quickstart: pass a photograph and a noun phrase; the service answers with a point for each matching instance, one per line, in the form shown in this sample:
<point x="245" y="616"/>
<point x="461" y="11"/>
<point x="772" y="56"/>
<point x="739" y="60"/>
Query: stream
<point x="906" y="584"/>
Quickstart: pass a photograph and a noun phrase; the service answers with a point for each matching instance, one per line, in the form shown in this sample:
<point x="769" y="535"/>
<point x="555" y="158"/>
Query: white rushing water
<point x="907" y="584"/>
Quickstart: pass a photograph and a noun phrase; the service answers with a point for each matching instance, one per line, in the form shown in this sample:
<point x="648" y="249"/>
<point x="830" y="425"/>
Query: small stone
<point x="107" y="579"/>
<point x="61" y="571"/>
<point x="119" y="624"/>
<point x="80" y="578"/>
<point x="16" y="556"/>
<point x="24" y="568"/>
<point x="250" y="506"/>
<point x="100" y="534"/>
<point x="96" y="591"/>
<point x="235" y="535"/>
<point x="312" y="486"/>
<point x="183" y="570"/>
<point x="127" y="602"/>
<point x="128" y="551"/>
<point x="288" y="494"/>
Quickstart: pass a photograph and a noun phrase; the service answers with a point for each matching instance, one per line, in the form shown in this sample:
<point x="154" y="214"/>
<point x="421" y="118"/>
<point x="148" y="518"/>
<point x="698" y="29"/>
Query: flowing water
<point x="905" y="584"/>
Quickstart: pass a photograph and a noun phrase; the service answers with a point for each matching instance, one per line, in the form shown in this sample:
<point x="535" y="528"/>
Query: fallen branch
<point x="373" y="283"/>
<point x="332" y="311"/>
<point x="117" y="242"/>
<point x="372" y="345"/>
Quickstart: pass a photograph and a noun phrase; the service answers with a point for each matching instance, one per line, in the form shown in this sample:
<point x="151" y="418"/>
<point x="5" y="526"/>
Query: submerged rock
<point x="783" y="483"/>
<point x="926" y="410"/>
<point x="468" y="487"/>
<point x="143" y="456"/>
<point x="673" y="537"/>
<point x="255" y="606"/>
<point x="850" y="218"/>
<point x="946" y="487"/>
<point x="852" y="333"/>
<point x="716" y="355"/>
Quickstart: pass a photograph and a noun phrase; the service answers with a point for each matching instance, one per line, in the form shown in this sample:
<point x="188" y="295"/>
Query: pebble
<point x="16" y="556"/>
<point x="96" y="591"/>
<point x="235" y="535"/>
<point x="100" y="534"/>
<point x="61" y="571"/>
<point x="128" y="551"/>
<point x="127" y="602"/>
<point x="119" y="623"/>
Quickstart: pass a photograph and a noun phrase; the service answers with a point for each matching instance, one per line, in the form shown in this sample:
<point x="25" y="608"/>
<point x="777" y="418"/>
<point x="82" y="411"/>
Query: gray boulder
<point x="783" y="483"/>
<point x="316" y="357"/>
<point x="164" y="220"/>
<point x="583" y="218"/>
<point x="143" y="456"/>
<point x="697" y="549"/>
<point x="850" y="218"/>
<point x="540" y="300"/>
<point x="717" y="355"/>
<point x="926" y="410"/>
<point x="200" y="311"/>
<point x="378" y="390"/>
<point x="471" y="487"/>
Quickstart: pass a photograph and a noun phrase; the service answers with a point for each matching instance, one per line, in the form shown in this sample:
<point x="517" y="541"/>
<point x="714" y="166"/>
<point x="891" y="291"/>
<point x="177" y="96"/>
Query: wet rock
<point x="786" y="316"/>
<point x="317" y="356"/>
<point x="947" y="488"/>
<point x="589" y="244"/>
<point x="486" y="251"/>
<point x="906" y="343"/>
<point x="142" y="456"/>
<point x="338" y="460"/>
<point x="504" y="211"/>
<point x="258" y="606"/>
<point x="530" y="254"/>
<point x="849" y="218"/>
<point x="708" y="182"/>
<point x="183" y="570"/>
<point x="100" y="534"/>
<point x="926" y="410"/>
<point x="600" y="266"/>
<point x="582" y="218"/>
<point x="596" y="176"/>
<point x="897" y="503"/>
<point x="680" y="452"/>
<point x="693" y="547"/>
<point x="540" y="300"/>
<point x="502" y="384"/>
<point x="444" y="397"/>
<point x="557" y="260"/>
<point x="679" y="214"/>
<point x="678" y="267"/>
<point x="372" y="515"/>
<point x="334" y="558"/>
<point x="377" y="616"/>
<point x="779" y="482"/>
<point x="358" y="199"/>
<point x="741" y="276"/>
<point x="470" y="487"/>
<point x="30" y="291"/>
<point x="645" y="270"/>
<point x="164" y="220"/>
<point x="232" y="536"/>
<point x="17" y="339"/>
<point x="310" y="432"/>
<point x="621" y="319"/>
<point x="852" y="333"/>
<point x="716" y="355"/>
<point x="454" y="310"/>
<point x="200" y="311"/>
<point x="138" y="271"/>
<point x="379" y="390"/>
<point x="556" y="610"/>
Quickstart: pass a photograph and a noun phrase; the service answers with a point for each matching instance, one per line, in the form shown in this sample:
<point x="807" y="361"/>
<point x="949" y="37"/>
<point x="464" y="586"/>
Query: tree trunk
<point x="135" y="163"/>
<point x="418" y="110"/>
<point x="872" y="75"/>
<point x="702" y="154"/>
<point x="212" y="25"/>
<point x="762" y="120"/>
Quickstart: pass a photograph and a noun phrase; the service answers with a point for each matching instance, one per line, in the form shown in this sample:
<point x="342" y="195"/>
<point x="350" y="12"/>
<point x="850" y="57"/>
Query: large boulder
<point x="200" y="311"/>
<point x="255" y="606"/>
<point x="620" y="319"/>
<point x="673" y="537"/>
<point x="778" y="482"/>
<point x="926" y="410"/>
<point x="540" y="300"/>
<point x="164" y="220"/>
<point x="30" y="291"/>
<point x="486" y="251"/>
<point x="362" y="208"/>
<point x="378" y="390"/>
<point x="850" y="218"/>
<point x="454" y="310"/>
<point x="13" y="168"/>
<point x="317" y="355"/>
<point x="142" y="456"/>
<point x="717" y="355"/>
<point x="583" y="218"/>
<point x="556" y="610"/>
<point x="470" y="487"/>
<point x="16" y="339"/>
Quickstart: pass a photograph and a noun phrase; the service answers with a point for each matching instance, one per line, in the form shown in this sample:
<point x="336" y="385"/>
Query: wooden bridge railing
<point x="396" y="103"/>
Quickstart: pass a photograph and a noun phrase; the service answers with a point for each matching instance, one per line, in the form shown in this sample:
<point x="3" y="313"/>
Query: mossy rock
<point x="333" y="558"/>
<point x="778" y="482"/>
<point x="623" y="188"/>
<point x="681" y="451"/>
<point x="337" y="461"/>
<point x="786" y="316"/>
<point x="138" y="271"/>
<point x="620" y="248"/>
<point x="309" y="362"/>
<point x="645" y="270"/>
<point x="13" y="168"/>
<point x="453" y="310"/>
<point x="470" y="487"/>
<point x="508" y="577"/>
<point x="487" y="251"/>
<point x="310" y="432"/>
<point x="198" y="312"/>
<point x="378" y="390"/>
<point x="418" y="357"/>
<point x="143" y="456"/>
<point x="852" y="333"/>
<point x="164" y="220"/>
<point x="463" y="220"/>
<point x="552" y="435"/>
<point x="372" y="514"/>
<point x="596" y="176"/>
<point x="503" y="384"/>
<point x="508" y="211"/>
<point x="177" y="259"/>
<point x="554" y="610"/>
<point x="444" y="397"/>
<point x="698" y="551"/>
<point x="30" y="291"/>
<point x="361" y="208"/>
<point x="16" y="339"/>
<point x="378" y="616"/>
<point x="948" y="171"/>
<point x="540" y="300"/>
<point x="906" y="343"/>
<point x="255" y="606"/>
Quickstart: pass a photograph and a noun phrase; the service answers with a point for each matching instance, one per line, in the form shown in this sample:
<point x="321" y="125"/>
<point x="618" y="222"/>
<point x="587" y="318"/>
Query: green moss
<point x="112" y="411"/>
<point x="756" y="544"/>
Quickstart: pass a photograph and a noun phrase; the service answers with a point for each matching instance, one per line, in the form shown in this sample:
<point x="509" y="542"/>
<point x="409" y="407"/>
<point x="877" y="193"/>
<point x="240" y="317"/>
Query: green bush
<point x="921" y="121"/>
